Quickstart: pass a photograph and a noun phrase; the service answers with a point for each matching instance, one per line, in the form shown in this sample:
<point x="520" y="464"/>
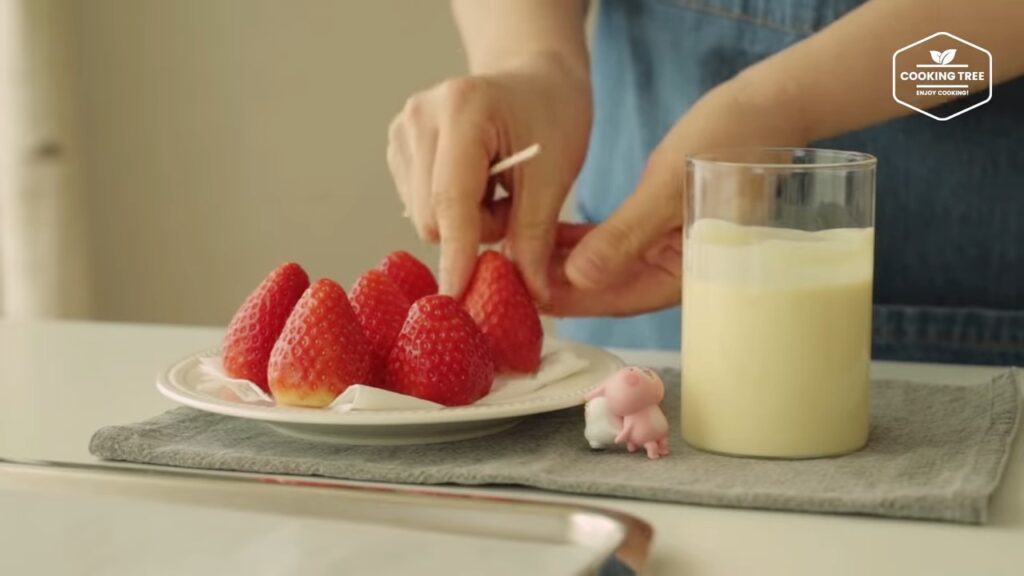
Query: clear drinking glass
<point x="778" y="266"/>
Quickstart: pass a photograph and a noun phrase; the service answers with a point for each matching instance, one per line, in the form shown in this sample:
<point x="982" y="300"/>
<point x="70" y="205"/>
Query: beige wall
<point x="221" y="137"/>
<point x="44" y="269"/>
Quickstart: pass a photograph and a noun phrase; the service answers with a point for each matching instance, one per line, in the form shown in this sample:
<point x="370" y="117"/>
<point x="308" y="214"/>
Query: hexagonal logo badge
<point x="942" y="69"/>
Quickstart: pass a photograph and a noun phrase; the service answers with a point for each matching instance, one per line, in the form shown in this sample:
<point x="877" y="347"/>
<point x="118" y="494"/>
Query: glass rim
<point x="853" y="160"/>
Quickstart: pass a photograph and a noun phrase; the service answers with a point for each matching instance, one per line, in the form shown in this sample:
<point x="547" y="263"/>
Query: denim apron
<point x="949" y="270"/>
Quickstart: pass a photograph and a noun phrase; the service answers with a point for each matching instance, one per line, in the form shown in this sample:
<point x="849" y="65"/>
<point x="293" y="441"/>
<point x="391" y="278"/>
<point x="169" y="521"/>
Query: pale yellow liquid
<point x="776" y="339"/>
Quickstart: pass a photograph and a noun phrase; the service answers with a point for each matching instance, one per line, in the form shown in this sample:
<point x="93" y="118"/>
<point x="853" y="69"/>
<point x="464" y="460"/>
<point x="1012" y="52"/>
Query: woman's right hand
<point x="442" y="143"/>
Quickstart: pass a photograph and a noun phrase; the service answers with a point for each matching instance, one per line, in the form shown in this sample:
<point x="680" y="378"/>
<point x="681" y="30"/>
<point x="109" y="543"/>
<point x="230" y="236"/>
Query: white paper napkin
<point x="557" y="363"/>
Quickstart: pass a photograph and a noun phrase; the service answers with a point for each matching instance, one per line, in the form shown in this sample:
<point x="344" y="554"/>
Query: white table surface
<point x="60" y="381"/>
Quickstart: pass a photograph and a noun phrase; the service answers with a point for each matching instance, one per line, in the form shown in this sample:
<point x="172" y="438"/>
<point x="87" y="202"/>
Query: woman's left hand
<point x="632" y="262"/>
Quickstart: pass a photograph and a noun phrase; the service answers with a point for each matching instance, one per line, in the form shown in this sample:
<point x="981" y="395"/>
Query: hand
<point x="442" y="143"/>
<point x="653" y="280"/>
<point x="632" y="262"/>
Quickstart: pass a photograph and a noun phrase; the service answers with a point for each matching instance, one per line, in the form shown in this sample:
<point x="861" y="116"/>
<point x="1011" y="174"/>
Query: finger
<point x="420" y="204"/>
<point x="459" y="182"/>
<point x="651" y="288"/>
<point x="398" y="157"/>
<point x="654" y="208"/>
<point x="531" y="230"/>
<point x="648" y="296"/>
<point x="648" y="286"/>
<point x="667" y="253"/>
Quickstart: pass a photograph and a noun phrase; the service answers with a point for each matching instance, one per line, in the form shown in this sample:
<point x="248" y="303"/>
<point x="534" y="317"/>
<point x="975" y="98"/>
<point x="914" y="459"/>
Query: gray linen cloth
<point x="936" y="452"/>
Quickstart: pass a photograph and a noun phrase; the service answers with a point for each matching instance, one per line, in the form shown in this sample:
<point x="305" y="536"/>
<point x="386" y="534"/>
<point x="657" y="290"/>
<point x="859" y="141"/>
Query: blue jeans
<point x="949" y="271"/>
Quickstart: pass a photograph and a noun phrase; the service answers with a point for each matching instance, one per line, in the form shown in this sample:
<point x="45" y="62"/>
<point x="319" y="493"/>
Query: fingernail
<point x="676" y="240"/>
<point x="667" y="258"/>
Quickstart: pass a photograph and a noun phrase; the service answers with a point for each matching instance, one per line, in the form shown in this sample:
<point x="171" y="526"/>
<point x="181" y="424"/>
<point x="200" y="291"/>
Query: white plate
<point x="180" y="383"/>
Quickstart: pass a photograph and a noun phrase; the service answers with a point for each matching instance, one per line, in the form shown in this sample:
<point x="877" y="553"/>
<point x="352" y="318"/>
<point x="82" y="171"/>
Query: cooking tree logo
<point x="938" y="69"/>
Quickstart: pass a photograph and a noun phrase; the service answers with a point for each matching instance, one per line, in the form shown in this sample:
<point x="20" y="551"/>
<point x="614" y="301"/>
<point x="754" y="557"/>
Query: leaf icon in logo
<point x="947" y="56"/>
<point x="936" y="56"/>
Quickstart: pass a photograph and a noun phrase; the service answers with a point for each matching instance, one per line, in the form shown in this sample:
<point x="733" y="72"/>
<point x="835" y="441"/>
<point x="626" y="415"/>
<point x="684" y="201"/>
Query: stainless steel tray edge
<point x="625" y="538"/>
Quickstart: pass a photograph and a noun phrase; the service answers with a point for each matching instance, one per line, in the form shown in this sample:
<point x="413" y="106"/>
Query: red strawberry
<point x="321" y="351"/>
<point x="258" y="322"/>
<point x="381" y="308"/>
<point x="411" y="276"/>
<point x="440" y="355"/>
<point x="499" y="303"/>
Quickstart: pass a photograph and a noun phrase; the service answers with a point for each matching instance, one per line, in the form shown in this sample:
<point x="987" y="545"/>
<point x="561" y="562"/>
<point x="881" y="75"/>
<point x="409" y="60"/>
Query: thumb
<point x="605" y="254"/>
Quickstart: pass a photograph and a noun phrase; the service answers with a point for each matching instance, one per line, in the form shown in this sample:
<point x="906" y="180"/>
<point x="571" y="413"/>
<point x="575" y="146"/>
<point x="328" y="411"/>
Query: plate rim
<point x="608" y="363"/>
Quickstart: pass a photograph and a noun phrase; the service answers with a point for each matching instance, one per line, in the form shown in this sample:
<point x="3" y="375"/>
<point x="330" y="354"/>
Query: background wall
<point x="221" y="137"/>
<point x="44" y="265"/>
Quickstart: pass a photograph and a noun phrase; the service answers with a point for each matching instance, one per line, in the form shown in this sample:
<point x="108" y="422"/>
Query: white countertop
<point x="60" y="381"/>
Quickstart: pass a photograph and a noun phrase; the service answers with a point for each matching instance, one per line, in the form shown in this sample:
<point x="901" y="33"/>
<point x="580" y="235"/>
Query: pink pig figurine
<point x="631" y="396"/>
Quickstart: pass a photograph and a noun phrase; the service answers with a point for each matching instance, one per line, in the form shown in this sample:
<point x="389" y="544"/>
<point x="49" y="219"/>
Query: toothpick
<point x="517" y="158"/>
<point x="504" y="164"/>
